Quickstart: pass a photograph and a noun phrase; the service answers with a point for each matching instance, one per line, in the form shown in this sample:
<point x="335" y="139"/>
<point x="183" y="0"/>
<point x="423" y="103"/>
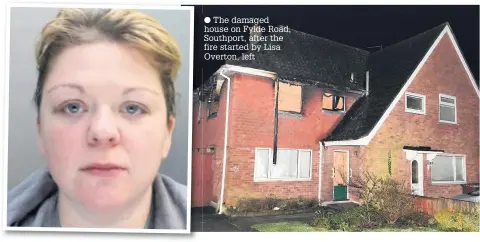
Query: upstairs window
<point x="289" y="98"/>
<point x="414" y="103"/>
<point x="333" y="102"/>
<point x="448" y="109"/>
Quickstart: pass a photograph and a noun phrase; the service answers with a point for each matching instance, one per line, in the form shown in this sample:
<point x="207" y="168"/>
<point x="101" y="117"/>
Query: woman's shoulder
<point x="24" y="201"/>
<point x="177" y="190"/>
<point x="171" y="206"/>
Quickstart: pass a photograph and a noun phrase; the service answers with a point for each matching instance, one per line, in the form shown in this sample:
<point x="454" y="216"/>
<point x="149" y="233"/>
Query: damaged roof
<point x="324" y="63"/>
<point x="312" y="60"/>
<point x="389" y="70"/>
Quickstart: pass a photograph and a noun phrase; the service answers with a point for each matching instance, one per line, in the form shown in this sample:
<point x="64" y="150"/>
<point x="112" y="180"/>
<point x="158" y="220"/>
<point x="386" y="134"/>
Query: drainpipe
<point x="368" y="82"/>
<point x="222" y="192"/>
<point x="320" y="172"/>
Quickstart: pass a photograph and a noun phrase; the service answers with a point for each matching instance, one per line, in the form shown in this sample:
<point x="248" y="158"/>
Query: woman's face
<point x="103" y="125"/>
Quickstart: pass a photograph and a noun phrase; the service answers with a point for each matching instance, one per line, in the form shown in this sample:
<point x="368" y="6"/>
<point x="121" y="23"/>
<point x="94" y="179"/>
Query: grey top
<point x="33" y="203"/>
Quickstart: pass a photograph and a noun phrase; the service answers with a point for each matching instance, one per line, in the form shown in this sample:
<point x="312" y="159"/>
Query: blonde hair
<point x="73" y="27"/>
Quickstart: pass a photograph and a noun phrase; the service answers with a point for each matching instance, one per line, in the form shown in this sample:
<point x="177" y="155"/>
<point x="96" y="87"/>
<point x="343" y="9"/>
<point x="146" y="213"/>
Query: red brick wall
<point x="355" y="159"/>
<point x="251" y="126"/>
<point x="442" y="73"/>
<point x="210" y="132"/>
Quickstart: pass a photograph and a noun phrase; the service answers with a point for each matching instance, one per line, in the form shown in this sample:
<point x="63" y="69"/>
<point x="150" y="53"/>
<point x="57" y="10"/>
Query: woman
<point x="105" y="100"/>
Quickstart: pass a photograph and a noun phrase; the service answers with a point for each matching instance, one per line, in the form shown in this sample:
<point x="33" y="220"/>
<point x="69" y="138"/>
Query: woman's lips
<point x="103" y="169"/>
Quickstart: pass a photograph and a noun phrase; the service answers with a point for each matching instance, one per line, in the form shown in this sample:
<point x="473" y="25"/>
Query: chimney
<point x="368" y="82"/>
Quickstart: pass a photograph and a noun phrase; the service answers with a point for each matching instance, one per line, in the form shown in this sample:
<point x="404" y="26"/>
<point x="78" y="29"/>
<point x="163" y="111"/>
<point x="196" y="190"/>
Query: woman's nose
<point x="103" y="129"/>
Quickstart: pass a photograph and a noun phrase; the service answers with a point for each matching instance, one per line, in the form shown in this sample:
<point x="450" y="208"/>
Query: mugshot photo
<point x="98" y="118"/>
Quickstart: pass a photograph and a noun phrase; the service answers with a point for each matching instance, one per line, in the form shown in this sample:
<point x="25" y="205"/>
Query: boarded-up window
<point x="289" y="98"/>
<point x="333" y="102"/>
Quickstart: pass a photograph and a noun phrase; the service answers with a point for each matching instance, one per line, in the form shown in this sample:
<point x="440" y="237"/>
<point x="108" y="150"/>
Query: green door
<point x="339" y="193"/>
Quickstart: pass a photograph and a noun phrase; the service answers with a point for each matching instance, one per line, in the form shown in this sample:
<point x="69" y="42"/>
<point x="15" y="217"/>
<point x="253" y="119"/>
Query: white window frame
<point x="454" y="105"/>
<point x="453" y="156"/>
<point x="424" y="103"/>
<point x="270" y="163"/>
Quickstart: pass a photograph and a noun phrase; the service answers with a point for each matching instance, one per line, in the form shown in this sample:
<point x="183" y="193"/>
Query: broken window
<point x="448" y="169"/>
<point x="291" y="164"/>
<point x="333" y="102"/>
<point x="289" y="98"/>
<point x="213" y="109"/>
<point x="448" y="112"/>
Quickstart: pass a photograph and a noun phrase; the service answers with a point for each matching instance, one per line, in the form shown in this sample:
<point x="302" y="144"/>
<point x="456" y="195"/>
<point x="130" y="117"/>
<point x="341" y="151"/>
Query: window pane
<point x="261" y="163"/>
<point x="341" y="103"/>
<point x="447" y="100"/>
<point x="459" y="169"/>
<point x="286" y="166"/>
<point x="304" y="159"/>
<point x="442" y="169"/>
<point x="447" y="113"/>
<point x="414" y="172"/>
<point x="414" y="103"/>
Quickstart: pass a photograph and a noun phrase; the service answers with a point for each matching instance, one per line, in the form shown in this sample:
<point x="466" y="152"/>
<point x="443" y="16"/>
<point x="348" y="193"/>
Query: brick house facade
<point x="368" y="126"/>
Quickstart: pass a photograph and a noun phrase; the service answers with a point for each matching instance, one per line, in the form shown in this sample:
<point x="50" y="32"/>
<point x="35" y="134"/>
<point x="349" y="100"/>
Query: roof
<point x="325" y="63"/>
<point x="313" y="60"/>
<point x="389" y="70"/>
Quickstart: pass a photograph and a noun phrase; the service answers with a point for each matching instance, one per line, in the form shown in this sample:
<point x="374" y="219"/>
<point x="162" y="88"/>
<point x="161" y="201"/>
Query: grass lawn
<point x="302" y="227"/>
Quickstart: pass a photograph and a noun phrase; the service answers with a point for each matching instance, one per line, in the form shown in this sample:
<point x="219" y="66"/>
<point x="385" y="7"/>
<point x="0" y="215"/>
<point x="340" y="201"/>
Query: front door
<point x="417" y="175"/>
<point x="340" y="175"/>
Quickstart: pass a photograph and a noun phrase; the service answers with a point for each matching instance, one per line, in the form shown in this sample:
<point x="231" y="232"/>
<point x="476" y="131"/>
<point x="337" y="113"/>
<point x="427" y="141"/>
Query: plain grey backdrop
<point x="23" y="155"/>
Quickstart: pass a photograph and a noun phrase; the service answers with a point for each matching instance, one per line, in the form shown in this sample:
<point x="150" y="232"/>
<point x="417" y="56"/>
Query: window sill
<point x="285" y="114"/>
<point x="415" y="111"/>
<point x="326" y="111"/>
<point x="447" y="122"/>
<point x="448" y="183"/>
<point x="261" y="180"/>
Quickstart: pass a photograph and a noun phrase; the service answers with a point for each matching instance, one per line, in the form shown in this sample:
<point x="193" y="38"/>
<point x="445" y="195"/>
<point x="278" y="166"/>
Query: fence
<point x="431" y="206"/>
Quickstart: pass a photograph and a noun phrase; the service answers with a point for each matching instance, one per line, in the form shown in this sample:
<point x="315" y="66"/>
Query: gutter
<point x="222" y="192"/>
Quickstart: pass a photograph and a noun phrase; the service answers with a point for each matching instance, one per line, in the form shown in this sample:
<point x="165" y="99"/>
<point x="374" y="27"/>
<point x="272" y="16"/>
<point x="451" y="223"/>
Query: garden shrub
<point x="416" y="219"/>
<point x="384" y="195"/>
<point x="353" y="219"/>
<point x="457" y="221"/>
<point x="270" y="202"/>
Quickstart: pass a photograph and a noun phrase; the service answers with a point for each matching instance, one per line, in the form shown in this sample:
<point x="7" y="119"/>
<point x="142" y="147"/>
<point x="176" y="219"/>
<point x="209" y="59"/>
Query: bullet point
<point x="207" y="20"/>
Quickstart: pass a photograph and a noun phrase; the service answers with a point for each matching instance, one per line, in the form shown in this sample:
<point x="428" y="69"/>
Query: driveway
<point x="206" y="220"/>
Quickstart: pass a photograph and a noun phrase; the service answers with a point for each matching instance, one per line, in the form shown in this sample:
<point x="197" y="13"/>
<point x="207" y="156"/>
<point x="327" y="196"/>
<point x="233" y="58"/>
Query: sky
<point x="364" y="27"/>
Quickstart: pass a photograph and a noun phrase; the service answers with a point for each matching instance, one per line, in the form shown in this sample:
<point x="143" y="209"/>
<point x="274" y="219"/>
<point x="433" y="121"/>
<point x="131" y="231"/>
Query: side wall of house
<point x="442" y="73"/>
<point x="252" y="126"/>
<point x="207" y="132"/>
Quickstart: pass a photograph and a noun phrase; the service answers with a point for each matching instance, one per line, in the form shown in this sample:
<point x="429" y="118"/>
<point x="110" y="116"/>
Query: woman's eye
<point x="73" y="108"/>
<point x="133" y="109"/>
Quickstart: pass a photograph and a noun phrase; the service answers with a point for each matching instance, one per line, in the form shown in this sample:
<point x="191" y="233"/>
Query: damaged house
<point x="410" y="111"/>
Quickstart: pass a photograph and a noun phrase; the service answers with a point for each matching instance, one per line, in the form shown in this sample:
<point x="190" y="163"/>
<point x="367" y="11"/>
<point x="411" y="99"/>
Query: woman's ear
<point x="168" y="137"/>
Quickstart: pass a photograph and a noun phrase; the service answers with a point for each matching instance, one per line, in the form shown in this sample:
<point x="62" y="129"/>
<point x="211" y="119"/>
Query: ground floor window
<point x="291" y="164"/>
<point x="449" y="169"/>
